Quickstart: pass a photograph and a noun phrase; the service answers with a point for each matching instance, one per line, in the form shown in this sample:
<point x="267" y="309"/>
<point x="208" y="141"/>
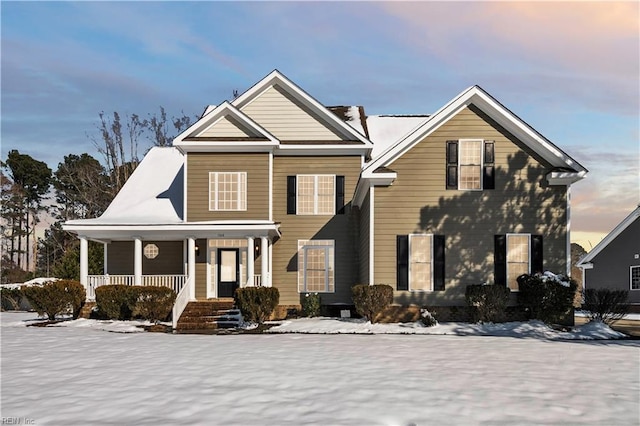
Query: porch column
<point x="84" y="261"/>
<point x="251" y="254"/>
<point x="105" y="269"/>
<point x="191" y="267"/>
<point x="137" y="261"/>
<point x="264" y="252"/>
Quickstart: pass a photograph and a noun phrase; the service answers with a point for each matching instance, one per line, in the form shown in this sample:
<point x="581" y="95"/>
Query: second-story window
<point x="470" y="164"/>
<point x="227" y="191"/>
<point x="315" y="194"/>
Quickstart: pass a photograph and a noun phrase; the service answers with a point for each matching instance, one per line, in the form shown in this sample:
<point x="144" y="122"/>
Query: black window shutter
<point x="452" y="165"/>
<point x="339" y="194"/>
<point x="438" y="262"/>
<point x="500" y="260"/>
<point x="402" y="262"/>
<point x="291" y="195"/>
<point x="488" y="180"/>
<point x="536" y="254"/>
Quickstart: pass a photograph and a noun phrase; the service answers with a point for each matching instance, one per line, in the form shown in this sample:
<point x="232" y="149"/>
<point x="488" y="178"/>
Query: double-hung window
<point x="518" y="258"/>
<point x="227" y="191"/>
<point x="315" y="194"/>
<point x="514" y="255"/>
<point x="316" y="260"/>
<point x="634" y="275"/>
<point x="470" y="164"/>
<point x="421" y="262"/>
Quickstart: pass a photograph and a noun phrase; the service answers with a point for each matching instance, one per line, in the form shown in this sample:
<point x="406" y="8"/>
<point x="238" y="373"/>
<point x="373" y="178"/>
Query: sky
<point x="570" y="70"/>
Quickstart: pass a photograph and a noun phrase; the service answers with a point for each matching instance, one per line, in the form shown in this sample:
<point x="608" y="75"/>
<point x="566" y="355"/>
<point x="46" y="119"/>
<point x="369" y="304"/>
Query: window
<point x="316" y="266"/>
<point x="227" y="191"/>
<point x="518" y="258"/>
<point x="151" y="251"/>
<point x="421" y="262"/>
<point x="635" y="277"/>
<point x="315" y="194"/>
<point x="470" y="164"/>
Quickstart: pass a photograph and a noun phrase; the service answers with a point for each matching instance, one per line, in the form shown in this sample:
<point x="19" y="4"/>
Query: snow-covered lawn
<point x="81" y="374"/>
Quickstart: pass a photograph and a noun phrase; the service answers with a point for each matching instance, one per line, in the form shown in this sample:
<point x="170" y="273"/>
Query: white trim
<point x="568" y="235"/>
<point x="481" y="99"/>
<point x="240" y="196"/>
<point x="315" y="195"/>
<point x="84" y="260"/>
<point x="372" y="247"/>
<point x="631" y="278"/>
<point x="264" y="263"/>
<point x="137" y="260"/>
<point x="626" y="222"/>
<point x="277" y="78"/>
<point x="212" y="265"/>
<point x="271" y="186"/>
<point x="326" y="150"/>
<point x="564" y="178"/>
<point x="432" y="277"/>
<point x="185" y="194"/>
<point x="105" y="258"/>
<point x="329" y="273"/>
<point x="481" y="165"/>
<point x="191" y="266"/>
<point x="506" y="257"/>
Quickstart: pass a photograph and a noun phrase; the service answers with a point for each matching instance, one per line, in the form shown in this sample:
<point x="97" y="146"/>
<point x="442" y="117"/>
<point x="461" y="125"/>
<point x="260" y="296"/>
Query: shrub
<point x="56" y="297"/>
<point x="371" y="300"/>
<point x="311" y="304"/>
<point x="154" y="303"/>
<point x="427" y="318"/>
<point x="256" y="303"/>
<point x="117" y="301"/>
<point x="606" y="305"/>
<point x="547" y="297"/>
<point x="488" y="302"/>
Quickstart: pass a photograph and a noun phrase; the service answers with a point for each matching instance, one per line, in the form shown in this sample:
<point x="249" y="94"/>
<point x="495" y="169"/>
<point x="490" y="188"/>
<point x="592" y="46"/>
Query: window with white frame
<point x="518" y="258"/>
<point x="315" y="194"/>
<point x="421" y="262"/>
<point x="316" y="266"/>
<point x="227" y="191"/>
<point x="470" y="164"/>
<point x="151" y="251"/>
<point x="635" y="277"/>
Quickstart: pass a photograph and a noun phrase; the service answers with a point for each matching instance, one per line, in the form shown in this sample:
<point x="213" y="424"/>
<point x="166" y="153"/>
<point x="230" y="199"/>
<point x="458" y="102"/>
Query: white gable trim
<point x="210" y="118"/>
<point x="494" y="109"/>
<point x="276" y="77"/>
<point x="585" y="261"/>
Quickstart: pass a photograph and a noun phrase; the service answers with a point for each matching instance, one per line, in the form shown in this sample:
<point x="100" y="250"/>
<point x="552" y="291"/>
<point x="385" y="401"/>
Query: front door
<point x="228" y="266"/>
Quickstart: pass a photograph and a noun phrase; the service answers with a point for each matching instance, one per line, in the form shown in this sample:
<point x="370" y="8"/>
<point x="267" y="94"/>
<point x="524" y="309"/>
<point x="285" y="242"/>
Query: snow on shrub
<point x="56" y="297"/>
<point x="256" y="303"/>
<point x="427" y="318"/>
<point x="311" y="304"/>
<point x="606" y="305"/>
<point x="547" y="297"/>
<point x="488" y="303"/>
<point x="371" y="300"/>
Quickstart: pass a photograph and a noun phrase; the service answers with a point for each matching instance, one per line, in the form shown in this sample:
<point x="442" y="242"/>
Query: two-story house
<point x="275" y="189"/>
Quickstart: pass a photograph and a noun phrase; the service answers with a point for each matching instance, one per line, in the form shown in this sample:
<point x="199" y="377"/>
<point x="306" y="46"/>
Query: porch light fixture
<point x="197" y="250"/>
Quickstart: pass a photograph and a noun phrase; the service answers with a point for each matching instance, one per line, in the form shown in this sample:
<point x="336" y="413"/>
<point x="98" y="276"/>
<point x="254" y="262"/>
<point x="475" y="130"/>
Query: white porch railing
<point x="175" y="282"/>
<point x="183" y="298"/>
<point x="257" y="280"/>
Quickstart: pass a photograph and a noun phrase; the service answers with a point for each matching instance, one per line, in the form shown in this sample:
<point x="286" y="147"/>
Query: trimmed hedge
<point x="488" y="303"/>
<point x="154" y="303"/>
<point x="56" y="297"/>
<point x="124" y="302"/>
<point x="547" y="297"/>
<point x="371" y="300"/>
<point x="606" y="305"/>
<point x="256" y="303"/>
<point x="311" y="304"/>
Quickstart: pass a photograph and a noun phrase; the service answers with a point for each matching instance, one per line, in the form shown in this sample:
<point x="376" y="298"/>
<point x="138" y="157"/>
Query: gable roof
<point x="192" y="139"/>
<point x="477" y="96"/>
<point x="626" y="222"/>
<point x="277" y="78"/>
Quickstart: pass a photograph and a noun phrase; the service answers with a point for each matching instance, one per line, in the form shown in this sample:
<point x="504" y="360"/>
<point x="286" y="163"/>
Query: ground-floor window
<point x="421" y="262"/>
<point x="518" y="258"/>
<point x="635" y="277"/>
<point x="316" y="266"/>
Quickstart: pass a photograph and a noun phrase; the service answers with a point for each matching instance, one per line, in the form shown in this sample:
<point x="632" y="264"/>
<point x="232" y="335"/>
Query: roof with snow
<point x="153" y="195"/>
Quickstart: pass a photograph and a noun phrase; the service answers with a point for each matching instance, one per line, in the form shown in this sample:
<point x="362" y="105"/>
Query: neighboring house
<point x="275" y="189"/>
<point x="614" y="263"/>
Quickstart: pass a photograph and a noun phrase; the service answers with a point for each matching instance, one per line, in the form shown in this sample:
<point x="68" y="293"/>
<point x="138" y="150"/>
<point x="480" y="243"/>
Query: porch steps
<point x="87" y="308"/>
<point x="208" y="316"/>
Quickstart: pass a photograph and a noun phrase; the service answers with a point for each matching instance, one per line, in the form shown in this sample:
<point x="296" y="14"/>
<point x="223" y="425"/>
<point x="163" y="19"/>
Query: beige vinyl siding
<point x="227" y="127"/>
<point x="340" y="228"/>
<point x="256" y="165"/>
<point x="286" y="118"/>
<point x="364" y="240"/>
<point x="120" y="258"/>
<point x="522" y="202"/>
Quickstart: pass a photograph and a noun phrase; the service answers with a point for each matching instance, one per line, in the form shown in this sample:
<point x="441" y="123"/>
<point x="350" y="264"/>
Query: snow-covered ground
<point x="81" y="374"/>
